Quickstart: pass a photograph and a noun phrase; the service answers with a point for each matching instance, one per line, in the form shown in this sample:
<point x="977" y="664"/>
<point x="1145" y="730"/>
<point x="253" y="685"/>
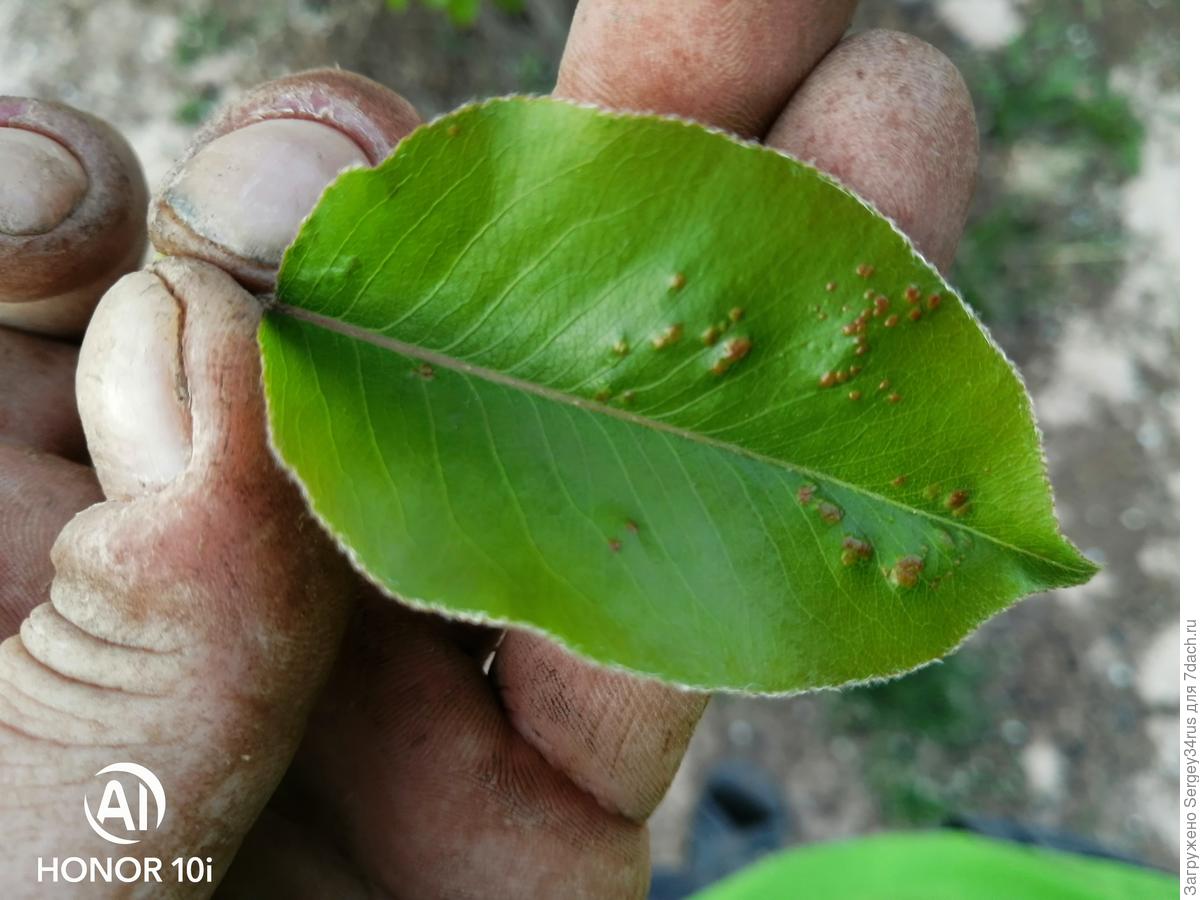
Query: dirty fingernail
<point x="41" y="182"/>
<point x="132" y="389"/>
<point x="248" y="190"/>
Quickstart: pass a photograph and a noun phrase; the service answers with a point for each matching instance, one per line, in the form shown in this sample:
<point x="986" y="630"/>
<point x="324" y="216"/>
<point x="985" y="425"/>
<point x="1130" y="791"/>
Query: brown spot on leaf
<point x="906" y="572"/>
<point x="668" y="337"/>
<point x="735" y="350"/>
<point x="854" y="550"/>
<point x="829" y="513"/>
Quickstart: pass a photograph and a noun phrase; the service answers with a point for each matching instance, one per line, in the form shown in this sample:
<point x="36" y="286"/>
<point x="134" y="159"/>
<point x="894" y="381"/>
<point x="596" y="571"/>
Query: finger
<point x="195" y="613"/>
<point x="890" y="116"/>
<point x="618" y="737"/>
<point x="730" y="65"/>
<point x="39" y="493"/>
<point x="72" y="214"/>
<point x="237" y="196"/>
<point x="411" y="771"/>
<point x="37" y="406"/>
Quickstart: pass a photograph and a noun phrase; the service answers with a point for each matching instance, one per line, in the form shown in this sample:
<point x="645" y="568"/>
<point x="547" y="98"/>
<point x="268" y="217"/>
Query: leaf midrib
<point x="445" y="361"/>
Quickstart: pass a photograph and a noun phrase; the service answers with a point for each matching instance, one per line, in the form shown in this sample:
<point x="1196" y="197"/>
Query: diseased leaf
<point x="679" y="401"/>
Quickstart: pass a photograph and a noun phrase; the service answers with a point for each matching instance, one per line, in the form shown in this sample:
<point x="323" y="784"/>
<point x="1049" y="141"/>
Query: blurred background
<point x="1060" y="713"/>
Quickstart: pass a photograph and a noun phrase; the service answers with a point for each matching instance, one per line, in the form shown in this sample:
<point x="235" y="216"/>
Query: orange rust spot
<point x="912" y="293"/>
<point x="885" y="384"/>
<point x="677" y="281"/>
<point x="855" y="395"/>
<point x="736" y="314"/>
<point x="914" y="314"/>
<point x="425" y="372"/>
<point x="864" y="270"/>
<point x="710" y="335"/>
<point x="854" y="550"/>
<point x="620" y="347"/>
<point x="452" y="130"/>
<point x="628" y="396"/>
<point x="854" y="370"/>
<point x="894" y="398"/>
<point x="829" y="379"/>
<point x="668" y="337"/>
<point x="631" y="526"/>
<point x="957" y="499"/>
<point x="735" y="350"/>
<point x="614" y="545"/>
<point x="829" y="513"/>
<point x="862" y="350"/>
<point x="831" y="286"/>
<point x="805" y="493"/>
<point x="891" y="321"/>
<point x="906" y="572"/>
<point x="935" y="300"/>
<point x="900" y="481"/>
<point x="603" y="395"/>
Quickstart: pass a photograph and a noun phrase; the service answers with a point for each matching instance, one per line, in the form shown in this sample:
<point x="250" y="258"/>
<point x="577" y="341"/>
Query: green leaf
<point x="940" y="865"/>
<point x="562" y="368"/>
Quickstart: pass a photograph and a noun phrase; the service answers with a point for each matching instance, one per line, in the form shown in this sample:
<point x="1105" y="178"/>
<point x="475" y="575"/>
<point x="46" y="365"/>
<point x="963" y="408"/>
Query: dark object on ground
<point x="740" y="817"/>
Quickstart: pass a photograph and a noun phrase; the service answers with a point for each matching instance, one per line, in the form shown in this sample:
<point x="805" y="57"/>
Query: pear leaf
<point x="681" y="402"/>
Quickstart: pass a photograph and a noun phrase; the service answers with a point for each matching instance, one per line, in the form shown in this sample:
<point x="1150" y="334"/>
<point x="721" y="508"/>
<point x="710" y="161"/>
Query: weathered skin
<point x="241" y="611"/>
<point x="350" y="121"/>
<point x="52" y="270"/>
<point x="313" y="737"/>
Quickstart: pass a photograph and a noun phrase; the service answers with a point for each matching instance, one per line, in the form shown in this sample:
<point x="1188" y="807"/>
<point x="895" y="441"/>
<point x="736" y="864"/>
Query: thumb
<point x="193" y="615"/>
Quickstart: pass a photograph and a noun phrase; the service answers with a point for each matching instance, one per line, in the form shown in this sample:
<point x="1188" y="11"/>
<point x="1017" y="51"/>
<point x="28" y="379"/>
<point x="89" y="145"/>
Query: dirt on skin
<point x="1061" y="712"/>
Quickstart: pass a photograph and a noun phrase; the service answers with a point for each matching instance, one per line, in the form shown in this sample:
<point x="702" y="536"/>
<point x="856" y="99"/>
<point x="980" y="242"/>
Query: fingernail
<point x="132" y="389"/>
<point x="41" y="182"/>
<point x="248" y="190"/>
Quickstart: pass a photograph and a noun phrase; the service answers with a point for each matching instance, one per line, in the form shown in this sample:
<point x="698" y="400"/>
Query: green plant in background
<point x="199" y="107"/>
<point x="204" y="34"/>
<point x="680" y="401"/>
<point x="1046" y="105"/>
<point x="935" y="710"/>
<point x="461" y="12"/>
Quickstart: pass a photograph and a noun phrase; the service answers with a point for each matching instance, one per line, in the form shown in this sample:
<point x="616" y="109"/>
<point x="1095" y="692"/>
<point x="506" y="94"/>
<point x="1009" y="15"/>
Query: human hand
<point x="315" y="739"/>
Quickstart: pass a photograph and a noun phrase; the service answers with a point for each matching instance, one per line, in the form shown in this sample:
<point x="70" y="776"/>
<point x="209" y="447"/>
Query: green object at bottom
<point x="939" y="865"/>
